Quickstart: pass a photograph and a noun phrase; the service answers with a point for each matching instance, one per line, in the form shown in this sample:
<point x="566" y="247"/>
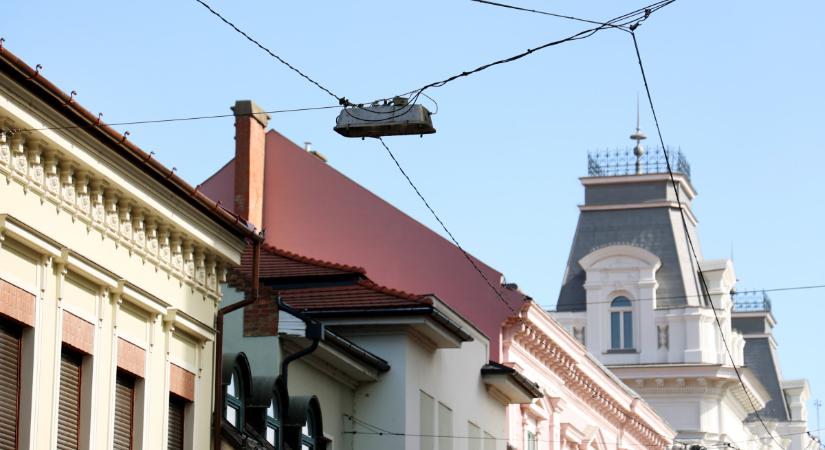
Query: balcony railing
<point x="609" y="163"/>
<point x="751" y="301"/>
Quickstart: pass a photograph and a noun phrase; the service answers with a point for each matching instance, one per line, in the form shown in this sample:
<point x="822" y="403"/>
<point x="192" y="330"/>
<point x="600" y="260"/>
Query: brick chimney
<point x="250" y="146"/>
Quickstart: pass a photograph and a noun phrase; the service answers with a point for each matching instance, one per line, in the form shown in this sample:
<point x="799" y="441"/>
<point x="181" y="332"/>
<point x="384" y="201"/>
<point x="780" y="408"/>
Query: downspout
<point x="217" y="414"/>
<point x="314" y="331"/>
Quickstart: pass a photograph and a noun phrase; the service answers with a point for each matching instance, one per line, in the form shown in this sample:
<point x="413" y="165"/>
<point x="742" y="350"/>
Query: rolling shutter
<point x="9" y="387"/>
<point x="124" y="412"/>
<point x="176" y="417"/>
<point x="68" y="411"/>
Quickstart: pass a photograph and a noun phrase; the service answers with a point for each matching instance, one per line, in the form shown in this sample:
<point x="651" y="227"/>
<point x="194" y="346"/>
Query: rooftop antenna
<point x="638" y="136"/>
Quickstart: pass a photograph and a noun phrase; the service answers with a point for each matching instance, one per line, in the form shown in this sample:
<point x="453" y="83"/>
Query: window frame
<point x="273" y="421"/>
<point x="623" y="314"/>
<point x="236" y="403"/>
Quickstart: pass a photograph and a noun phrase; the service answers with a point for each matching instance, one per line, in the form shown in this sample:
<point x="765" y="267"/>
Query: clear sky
<point x="738" y="85"/>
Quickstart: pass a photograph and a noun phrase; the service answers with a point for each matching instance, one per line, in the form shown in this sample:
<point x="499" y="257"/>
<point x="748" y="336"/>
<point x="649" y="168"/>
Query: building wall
<point x="111" y="264"/>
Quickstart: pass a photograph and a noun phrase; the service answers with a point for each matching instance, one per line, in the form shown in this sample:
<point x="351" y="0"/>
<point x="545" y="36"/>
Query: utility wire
<point x="174" y="119"/>
<point x="341" y="100"/>
<point x="444" y="227"/>
<point x="378" y="431"/>
<point x="704" y="285"/>
<point x="560" y="16"/>
<point x="677" y="297"/>
<point x="631" y="19"/>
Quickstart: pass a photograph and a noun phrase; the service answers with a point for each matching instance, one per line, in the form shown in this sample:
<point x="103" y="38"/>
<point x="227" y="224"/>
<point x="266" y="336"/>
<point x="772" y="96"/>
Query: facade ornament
<point x="33" y="153"/>
<point x="97" y="204"/>
<point x="138" y="231"/>
<point x="125" y="218"/>
<point x="663" y="340"/>
<point x="50" y="166"/>
<point x="152" y="237"/>
<point x="67" y="193"/>
<point x="82" y="192"/>
<point x="165" y="251"/>
<point x="110" y="208"/>
<point x="176" y="252"/>
<point x="18" y="155"/>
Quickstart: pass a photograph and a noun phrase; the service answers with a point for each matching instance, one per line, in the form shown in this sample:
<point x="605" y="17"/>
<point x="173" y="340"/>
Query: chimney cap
<point x="250" y="108"/>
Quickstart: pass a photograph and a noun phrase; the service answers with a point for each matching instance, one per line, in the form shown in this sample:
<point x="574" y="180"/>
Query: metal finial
<point x="638" y="136"/>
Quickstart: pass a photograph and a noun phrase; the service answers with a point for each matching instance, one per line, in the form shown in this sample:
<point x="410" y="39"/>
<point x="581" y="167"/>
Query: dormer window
<point x="308" y="434"/>
<point x="621" y="324"/>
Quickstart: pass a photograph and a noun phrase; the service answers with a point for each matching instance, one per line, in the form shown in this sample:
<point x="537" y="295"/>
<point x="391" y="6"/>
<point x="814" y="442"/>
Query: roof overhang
<point x="339" y="358"/>
<point x="509" y="385"/>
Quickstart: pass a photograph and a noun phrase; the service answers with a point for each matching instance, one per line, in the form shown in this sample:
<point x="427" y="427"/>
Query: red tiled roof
<point x="280" y="263"/>
<point x="362" y="295"/>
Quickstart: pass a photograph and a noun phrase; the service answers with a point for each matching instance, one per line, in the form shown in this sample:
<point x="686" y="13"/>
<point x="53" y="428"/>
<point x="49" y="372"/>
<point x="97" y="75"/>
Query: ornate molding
<point x="71" y="187"/>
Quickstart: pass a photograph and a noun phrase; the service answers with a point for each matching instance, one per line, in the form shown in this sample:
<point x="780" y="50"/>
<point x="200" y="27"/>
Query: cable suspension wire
<point x="560" y="16"/>
<point x="678" y="297"/>
<point x="631" y="20"/>
<point x="341" y="100"/>
<point x="447" y="230"/>
<point x="168" y="120"/>
<point x="694" y="254"/>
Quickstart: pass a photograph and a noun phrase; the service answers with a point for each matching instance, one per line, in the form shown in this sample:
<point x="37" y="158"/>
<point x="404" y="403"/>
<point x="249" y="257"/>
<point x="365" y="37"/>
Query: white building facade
<point x="632" y="294"/>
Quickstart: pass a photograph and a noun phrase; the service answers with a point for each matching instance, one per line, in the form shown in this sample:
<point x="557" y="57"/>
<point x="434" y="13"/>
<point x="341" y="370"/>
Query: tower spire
<point x="638" y="136"/>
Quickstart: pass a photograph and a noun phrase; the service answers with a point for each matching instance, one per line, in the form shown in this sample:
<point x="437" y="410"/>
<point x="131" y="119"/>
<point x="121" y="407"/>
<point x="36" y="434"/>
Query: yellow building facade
<point x="110" y="268"/>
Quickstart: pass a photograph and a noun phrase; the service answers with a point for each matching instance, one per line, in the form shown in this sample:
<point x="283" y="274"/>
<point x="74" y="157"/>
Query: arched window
<point x="308" y="434"/>
<point x="235" y="399"/>
<point x="621" y="324"/>
<point x="273" y="423"/>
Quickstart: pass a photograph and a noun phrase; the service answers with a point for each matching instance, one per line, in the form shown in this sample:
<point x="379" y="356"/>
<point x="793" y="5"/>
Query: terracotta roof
<point x="280" y="263"/>
<point x="361" y="295"/>
<point x="61" y="102"/>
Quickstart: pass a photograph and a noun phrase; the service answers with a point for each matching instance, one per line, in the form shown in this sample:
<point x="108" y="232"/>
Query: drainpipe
<point x="217" y="414"/>
<point x="314" y="331"/>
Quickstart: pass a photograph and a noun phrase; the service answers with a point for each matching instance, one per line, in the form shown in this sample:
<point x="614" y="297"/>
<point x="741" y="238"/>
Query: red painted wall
<point x="314" y="210"/>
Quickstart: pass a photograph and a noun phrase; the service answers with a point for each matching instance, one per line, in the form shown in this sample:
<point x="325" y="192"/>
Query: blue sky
<point x="737" y="85"/>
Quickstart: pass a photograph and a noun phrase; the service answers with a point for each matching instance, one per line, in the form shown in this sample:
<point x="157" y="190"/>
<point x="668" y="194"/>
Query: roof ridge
<point x="312" y="261"/>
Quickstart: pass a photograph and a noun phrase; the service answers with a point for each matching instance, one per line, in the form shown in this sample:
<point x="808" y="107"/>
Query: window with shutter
<point x="175" y="435"/>
<point x="124" y="412"/>
<point x="9" y="386"/>
<point x="68" y="410"/>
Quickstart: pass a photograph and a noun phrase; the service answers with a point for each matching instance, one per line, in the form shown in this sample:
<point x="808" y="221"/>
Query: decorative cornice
<point x="552" y="356"/>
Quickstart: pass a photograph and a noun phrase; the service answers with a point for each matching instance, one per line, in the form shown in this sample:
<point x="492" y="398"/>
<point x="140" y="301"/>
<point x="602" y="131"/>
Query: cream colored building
<point x="110" y="267"/>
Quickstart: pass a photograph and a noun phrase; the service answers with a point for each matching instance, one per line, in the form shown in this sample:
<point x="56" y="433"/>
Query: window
<point x="124" y="412"/>
<point x="176" y="425"/>
<point x="10" y="387"/>
<point x="531" y="440"/>
<point x="234" y="400"/>
<point x="445" y="427"/>
<point x="308" y="434"/>
<point x="273" y="423"/>
<point x="426" y="405"/>
<point x="621" y="324"/>
<point x="68" y="410"/>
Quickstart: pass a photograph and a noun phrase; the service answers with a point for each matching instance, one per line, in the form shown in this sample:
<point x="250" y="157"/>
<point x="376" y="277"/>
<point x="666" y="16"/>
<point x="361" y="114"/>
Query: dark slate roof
<point x="649" y="228"/>
<point x="761" y="360"/>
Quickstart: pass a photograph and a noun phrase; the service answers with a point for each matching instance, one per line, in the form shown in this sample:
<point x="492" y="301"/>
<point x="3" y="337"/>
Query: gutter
<point x="377" y="363"/>
<point x="434" y="314"/>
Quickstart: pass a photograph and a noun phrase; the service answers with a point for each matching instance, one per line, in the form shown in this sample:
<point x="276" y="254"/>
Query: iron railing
<point x="609" y="163"/>
<point x="751" y="301"/>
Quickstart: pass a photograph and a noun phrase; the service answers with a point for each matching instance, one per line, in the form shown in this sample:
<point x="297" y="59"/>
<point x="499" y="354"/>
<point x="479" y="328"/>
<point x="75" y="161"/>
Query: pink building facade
<point x="584" y="406"/>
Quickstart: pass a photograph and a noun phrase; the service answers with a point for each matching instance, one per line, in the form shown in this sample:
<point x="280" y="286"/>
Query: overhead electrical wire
<point x="703" y="282"/>
<point x="341" y="100"/>
<point x="447" y="230"/>
<point x="679" y="297"/>
<point x="167" y="120"/>
<point x="560" y="16"/>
